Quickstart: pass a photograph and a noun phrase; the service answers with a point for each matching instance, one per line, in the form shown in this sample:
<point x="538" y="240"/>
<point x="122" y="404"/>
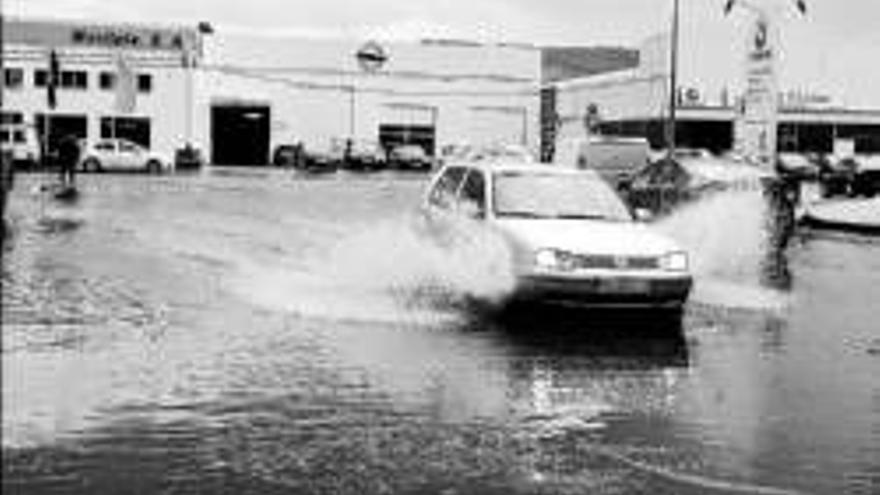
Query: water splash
<point x="728" y="239"/>
<point x="386" y="271"/>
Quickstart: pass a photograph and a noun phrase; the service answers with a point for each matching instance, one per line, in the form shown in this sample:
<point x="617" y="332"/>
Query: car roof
<point x="502" y="166"/>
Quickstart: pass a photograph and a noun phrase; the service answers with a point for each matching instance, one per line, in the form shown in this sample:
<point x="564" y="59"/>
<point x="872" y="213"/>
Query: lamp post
<point x="673" y="83"/>
<point x="193" y="52"/>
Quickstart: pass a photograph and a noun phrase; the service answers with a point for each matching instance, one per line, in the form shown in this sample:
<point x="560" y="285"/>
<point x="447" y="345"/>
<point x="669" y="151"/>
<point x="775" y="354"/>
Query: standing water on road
<point x="262" y="333"/>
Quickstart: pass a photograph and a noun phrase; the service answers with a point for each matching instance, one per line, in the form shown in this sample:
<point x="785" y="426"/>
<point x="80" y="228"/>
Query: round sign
<point x="371" y="57"/>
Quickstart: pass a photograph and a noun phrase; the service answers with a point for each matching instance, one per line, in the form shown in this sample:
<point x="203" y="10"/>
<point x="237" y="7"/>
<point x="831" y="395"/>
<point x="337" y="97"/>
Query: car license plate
<point x="623" y="286"/>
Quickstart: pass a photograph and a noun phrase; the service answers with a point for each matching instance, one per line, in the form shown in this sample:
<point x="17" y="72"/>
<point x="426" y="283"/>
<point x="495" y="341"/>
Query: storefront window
<point x="135" y="129"/>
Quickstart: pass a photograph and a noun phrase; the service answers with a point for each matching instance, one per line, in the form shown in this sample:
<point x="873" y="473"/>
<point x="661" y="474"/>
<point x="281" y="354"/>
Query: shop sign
<point x="122" y="36"/>
<point x="760" y="105"/>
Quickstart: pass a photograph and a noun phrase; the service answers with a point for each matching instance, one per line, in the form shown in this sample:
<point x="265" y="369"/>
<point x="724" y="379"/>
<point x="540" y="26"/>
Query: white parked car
<point x="571" y="239"/>
<point x="20" y="141"/>
<point x="120" y="154"/>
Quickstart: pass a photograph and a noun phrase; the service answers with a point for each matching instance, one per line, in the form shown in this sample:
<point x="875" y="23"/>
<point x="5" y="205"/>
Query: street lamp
<point x="193" y="51"/>
<point x="673" y="93"/>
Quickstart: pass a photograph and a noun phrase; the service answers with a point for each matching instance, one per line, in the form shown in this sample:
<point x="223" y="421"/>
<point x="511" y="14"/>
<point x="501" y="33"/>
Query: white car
<point x="120" y="154"/>
<point x="571" y="239"/>
<point x="21" y="142"/>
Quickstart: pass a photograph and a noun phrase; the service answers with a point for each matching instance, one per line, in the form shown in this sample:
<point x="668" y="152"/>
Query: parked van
<point x="20" y="141"/>
<point x="610" y="156"/>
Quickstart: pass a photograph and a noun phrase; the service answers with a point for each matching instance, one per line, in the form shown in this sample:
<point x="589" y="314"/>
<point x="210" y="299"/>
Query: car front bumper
<point x="614" y="290"/>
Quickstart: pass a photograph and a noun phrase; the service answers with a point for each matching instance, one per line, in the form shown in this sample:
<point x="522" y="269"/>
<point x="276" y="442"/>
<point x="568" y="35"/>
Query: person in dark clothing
<point x="68" y="158"/>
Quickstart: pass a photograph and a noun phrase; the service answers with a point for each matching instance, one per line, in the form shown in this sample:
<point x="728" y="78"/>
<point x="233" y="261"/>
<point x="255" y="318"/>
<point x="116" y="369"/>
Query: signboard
<point x="86" y="35"/>
<point x="759" y="105"/>
<point x="371" y="57"/>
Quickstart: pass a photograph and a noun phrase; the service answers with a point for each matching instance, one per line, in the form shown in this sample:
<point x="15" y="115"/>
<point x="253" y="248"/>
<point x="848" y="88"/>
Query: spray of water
<point x="386" y="271"/>
<point x="727" y="237"/>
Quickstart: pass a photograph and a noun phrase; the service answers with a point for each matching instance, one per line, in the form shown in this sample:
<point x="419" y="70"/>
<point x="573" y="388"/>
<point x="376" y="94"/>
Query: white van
<point x="610" y="156"/>
<point x="21" y="142"/>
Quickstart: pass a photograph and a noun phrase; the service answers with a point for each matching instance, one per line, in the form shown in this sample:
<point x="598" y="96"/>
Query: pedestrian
<point x="68" y="158"/>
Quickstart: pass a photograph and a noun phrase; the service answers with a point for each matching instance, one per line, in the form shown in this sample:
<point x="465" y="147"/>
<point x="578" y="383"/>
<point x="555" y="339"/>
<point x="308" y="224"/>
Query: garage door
<point x="240" y="134"/>
<point x="408" y="124"/>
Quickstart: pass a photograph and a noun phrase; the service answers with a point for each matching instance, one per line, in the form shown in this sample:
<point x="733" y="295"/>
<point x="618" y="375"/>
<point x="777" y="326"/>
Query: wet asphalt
<point x="258" y="331"/>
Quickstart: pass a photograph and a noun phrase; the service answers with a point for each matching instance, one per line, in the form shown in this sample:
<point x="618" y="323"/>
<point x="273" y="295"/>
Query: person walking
<point x="68" y="158"/>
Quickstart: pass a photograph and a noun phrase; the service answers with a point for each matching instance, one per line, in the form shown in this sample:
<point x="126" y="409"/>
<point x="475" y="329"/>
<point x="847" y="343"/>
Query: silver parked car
<point x="572" y="240"/>
<point x="122" y="155"/>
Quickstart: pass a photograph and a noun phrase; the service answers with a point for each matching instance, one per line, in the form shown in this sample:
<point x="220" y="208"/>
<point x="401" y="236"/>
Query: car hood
<point x="587" y="236"/>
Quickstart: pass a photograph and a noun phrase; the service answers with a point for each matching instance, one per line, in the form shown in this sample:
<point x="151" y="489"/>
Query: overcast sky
<point x="833" y="49"/>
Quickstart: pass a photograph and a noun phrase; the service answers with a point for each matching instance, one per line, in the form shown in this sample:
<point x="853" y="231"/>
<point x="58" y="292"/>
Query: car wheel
<point x="154" y="167"/>
<point x="91" y="165"/>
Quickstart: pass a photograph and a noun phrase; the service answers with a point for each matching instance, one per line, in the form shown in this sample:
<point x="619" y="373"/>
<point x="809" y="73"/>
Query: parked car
<point x="836" y="175"/>
<point x="122" y="155"/>
<point x="570" y="237"/>
<point x="319" y="160"/>
<point x="364" y="155"/>
<point x="288" y="155"/>
<point x="410" y="157"/>
<point x="663" y="185"/>
<point x="188" y="158"/>
<point x="20" y="144"/>
<point x="867" y="178"/>
<point x="799" y="166"/>
<point x="611" y="156"/>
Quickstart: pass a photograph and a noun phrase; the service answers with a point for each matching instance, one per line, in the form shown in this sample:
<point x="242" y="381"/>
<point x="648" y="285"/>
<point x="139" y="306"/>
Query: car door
<point x="130" y="155"/>
<point x="105" y="151"/>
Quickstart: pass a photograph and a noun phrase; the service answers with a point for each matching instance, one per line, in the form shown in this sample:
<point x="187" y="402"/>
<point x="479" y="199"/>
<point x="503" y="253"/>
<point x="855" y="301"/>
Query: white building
<point x="259" y="92"/>
<point x="635" y="102"/>
<point x="243" y="95"/>
<point x="126" y="81"/>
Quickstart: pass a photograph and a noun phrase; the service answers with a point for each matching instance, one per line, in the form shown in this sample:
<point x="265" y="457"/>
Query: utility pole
<point x="673" y="83"/>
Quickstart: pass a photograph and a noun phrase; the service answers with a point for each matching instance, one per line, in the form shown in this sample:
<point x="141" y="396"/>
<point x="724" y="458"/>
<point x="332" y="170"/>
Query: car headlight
<point x="675" y="261"/>
<point x="546" y="258"/>
<point x="553" y="259"/>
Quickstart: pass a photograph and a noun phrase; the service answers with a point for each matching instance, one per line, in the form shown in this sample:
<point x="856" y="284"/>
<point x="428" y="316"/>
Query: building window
<point x="135" y="129"/>
<point x="107" y="80"/>
<point x="11" y="118"/>
<point x="13" y="77"/>
<point x="145" y="83"/>
<point x="77" y="79"/>
<point x="41" y="77"/>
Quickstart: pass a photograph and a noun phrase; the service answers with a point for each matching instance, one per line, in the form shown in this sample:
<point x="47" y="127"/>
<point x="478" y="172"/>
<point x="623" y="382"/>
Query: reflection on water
<point x="212" y="342"/>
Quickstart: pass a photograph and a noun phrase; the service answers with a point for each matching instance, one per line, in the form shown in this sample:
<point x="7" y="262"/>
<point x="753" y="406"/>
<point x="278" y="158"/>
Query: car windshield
<point x="535" y="194"/>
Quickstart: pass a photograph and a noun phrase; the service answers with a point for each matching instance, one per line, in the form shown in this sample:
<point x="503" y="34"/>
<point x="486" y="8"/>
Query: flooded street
<point x="262" y="332"/>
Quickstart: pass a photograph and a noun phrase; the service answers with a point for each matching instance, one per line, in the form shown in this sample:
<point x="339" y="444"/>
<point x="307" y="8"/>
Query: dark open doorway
<point x="394" y="135"/>
<point x="240" y="134"/>
<point x="59" y="126"/>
